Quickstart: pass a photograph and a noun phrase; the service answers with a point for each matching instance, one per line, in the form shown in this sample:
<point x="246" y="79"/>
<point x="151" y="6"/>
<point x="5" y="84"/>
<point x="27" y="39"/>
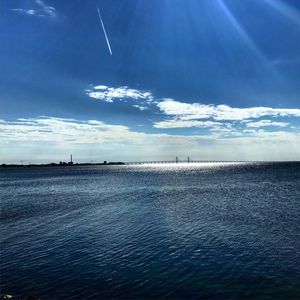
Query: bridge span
<point x="179" y="162"/>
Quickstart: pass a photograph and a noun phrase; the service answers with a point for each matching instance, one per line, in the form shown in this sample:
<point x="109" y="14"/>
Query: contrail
<point x="107" y="41"/>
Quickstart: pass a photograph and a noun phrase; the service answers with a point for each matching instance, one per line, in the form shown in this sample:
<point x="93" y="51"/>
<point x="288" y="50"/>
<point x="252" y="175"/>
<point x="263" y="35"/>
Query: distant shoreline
<point x="71" y="164"/>
<point x="62" y="164"/>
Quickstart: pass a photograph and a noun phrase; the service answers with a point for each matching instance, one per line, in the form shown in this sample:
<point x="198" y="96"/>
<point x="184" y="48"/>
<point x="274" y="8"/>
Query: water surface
<point x="184" y="231"/>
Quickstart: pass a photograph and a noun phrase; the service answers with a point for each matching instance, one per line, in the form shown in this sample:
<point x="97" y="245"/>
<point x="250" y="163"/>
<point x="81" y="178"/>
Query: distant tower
<point x="188" y="159"/>
<point x="176" y="159"/>
<point x="71" y="158"/>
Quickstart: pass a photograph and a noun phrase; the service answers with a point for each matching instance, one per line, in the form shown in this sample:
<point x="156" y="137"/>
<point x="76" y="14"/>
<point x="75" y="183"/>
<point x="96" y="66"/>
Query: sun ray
<point x="244" y="35"/>
<point x="285" y="9"/>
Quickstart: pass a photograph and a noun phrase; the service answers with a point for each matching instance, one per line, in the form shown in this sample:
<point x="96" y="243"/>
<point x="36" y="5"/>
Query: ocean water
<point x="182" y="231"/>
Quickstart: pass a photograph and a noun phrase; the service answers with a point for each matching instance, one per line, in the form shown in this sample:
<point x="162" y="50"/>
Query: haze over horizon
<point x="209" y="79"/>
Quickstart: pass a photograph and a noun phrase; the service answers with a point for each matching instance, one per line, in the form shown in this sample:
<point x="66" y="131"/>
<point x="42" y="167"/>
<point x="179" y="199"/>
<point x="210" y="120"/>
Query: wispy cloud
<point x="41" y="10"/>
<point x="29" y="12"/>
<point x="266" y="123"/>
<point x="140" y="107"/>
<point x="88" y="138"/>
<point x="110" y="94"/>
<point x="216" y="129"/>
<point x="63" y="130"/>
<point x="49" y="11"/>
<point x="186" y="111"/>
<point x="194" y="111"/>
<point x="221" y="120"/>
<point x="175" y="123"/>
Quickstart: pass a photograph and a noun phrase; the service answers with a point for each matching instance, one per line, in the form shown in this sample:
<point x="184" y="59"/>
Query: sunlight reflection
<point x="181" y="166"/>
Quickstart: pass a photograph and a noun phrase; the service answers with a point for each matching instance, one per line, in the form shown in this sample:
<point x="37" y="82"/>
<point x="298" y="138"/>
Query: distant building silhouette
<point x="71" y="161"/>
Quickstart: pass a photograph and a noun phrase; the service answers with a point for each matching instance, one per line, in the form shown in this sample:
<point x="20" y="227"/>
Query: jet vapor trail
<point x="107" y="41"/>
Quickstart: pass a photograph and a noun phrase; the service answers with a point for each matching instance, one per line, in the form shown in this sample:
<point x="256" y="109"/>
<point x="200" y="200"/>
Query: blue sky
<point x="213" y="79"/>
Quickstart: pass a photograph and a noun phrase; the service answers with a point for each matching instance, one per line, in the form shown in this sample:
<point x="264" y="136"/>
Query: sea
<point x="156" y="231"/>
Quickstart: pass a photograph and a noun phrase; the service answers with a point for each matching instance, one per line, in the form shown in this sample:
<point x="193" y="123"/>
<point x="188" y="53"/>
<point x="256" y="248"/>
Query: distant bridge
<point x="179" y="161"/>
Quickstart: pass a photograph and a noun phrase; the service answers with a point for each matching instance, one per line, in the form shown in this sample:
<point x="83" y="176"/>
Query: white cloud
<point x="140" y="107"/>
<point x="47" y="138"/>
<point x="185" y="124"/>
<point x="49" y="11"/>
<point x="63" y="130"/>
<point x="187" y="111"/>
<point x="29" y="12"/>
<point x="42" y="10"/>
<point x="221" y="120"/>
<point x="217" y="129"/>
<point x="194" y="111"/>
<point x="266" y="123"/>
<point x="110" y="94"/>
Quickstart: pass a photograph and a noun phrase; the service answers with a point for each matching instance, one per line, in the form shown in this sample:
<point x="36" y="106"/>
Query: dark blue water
<point x="152" y="232"/>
